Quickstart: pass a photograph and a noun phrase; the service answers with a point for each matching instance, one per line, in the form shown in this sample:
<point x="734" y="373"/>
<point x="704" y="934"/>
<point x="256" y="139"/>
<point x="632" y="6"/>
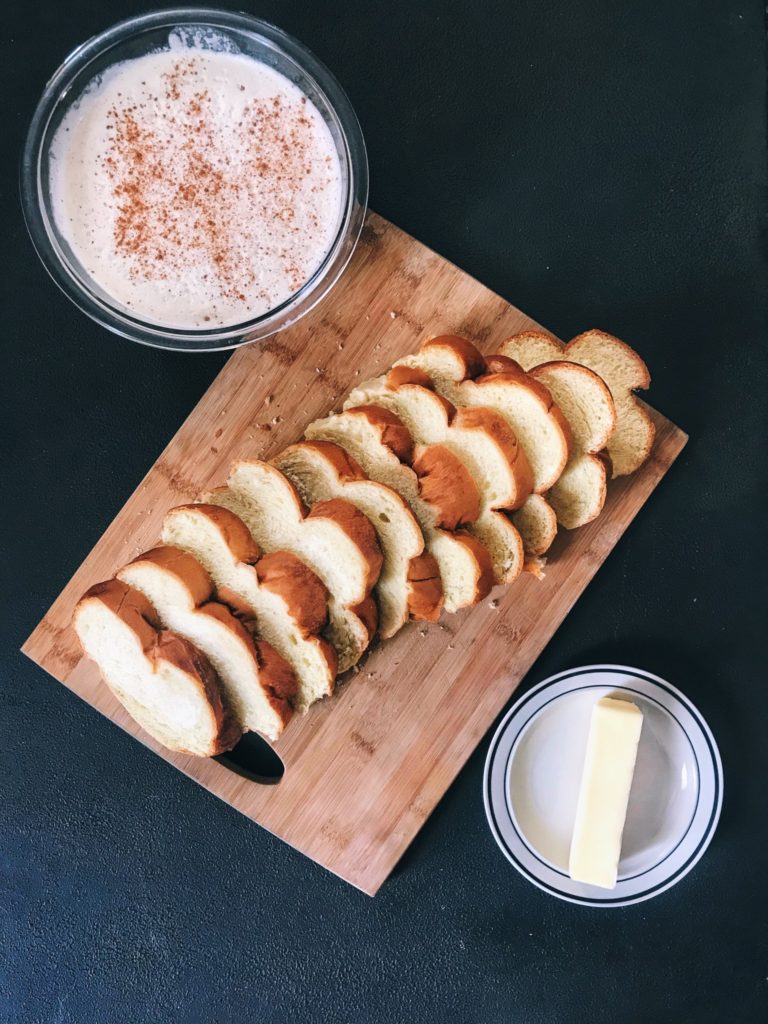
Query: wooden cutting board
<point x="364" y="769"/>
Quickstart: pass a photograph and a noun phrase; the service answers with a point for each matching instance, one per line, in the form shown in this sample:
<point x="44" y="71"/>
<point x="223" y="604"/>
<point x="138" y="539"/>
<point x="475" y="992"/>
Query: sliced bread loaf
<point x="335" y="540"/>
<point x="162" y="680"/>
<point x="409" y="583"/>
<point x="259" y="684"/>
<point x="579" y="493"/>
<point x="459" y="372"/>
<point x="439" y="497"/>
<point x="483" y="443"/>
<point x="623" y="371"/>
<point x="286" y="603"/>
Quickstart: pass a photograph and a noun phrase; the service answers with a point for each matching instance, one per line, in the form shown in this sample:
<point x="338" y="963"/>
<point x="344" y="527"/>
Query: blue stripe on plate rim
<point x="706" y="832"/>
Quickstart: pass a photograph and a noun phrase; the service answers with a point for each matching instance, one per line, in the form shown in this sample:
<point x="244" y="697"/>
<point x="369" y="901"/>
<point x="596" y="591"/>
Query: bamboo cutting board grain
<point x="364" y="769"/>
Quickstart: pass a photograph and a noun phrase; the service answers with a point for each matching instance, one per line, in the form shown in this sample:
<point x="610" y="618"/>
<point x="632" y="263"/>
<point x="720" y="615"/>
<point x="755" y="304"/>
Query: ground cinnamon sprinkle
<point x="200" y="197"/>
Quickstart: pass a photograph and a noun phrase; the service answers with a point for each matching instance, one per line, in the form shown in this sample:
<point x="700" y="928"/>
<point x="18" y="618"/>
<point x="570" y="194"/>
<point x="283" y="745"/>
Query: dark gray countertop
<point x="598" y="163"/>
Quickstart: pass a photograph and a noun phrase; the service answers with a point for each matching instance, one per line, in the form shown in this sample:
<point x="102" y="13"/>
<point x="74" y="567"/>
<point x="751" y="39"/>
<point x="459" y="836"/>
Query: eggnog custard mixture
<point x="198" y="188"/>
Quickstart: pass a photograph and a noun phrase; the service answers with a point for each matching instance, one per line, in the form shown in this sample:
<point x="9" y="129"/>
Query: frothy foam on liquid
<point x="198" y="188"/>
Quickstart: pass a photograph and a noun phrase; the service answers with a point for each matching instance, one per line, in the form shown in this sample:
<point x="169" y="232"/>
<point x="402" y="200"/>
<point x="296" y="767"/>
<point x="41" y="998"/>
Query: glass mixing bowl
<point x="134" y="38"/>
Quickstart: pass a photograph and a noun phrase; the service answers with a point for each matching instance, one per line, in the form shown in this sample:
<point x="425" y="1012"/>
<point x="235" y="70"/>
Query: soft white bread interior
<point x="162" y="680"/>
<point x="482" y="442"/>
<point x="381" y="444"/>
<point x="584" y="399"/>
<point x="258" y="683"/>
<point x="578" y="495"/>
<point x="408" y="585"/>
<point x="480" y="437"/>
<point x="532" y="348"/>
<point x="335" y="540"/>
<point x="623" y="371"/>
<point x="459" y="372"/>
<point x="277" y="595"/>
<point x="525" y="404"/>
<point x="536" y="523"/>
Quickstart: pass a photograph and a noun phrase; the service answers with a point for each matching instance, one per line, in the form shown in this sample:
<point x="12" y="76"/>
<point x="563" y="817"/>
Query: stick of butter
<point x="614" y="733"/>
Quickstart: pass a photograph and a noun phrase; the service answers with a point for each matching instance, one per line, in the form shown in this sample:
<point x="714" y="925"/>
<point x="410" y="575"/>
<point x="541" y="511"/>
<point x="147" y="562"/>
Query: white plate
<point x="533" y="772"/>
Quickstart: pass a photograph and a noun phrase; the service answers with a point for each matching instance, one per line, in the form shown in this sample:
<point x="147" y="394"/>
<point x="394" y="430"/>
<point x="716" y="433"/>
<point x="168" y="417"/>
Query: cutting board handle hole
<point x="255" y="759"/>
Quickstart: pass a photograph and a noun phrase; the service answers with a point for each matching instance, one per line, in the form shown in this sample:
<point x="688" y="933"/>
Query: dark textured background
<point x="599" y="163"/>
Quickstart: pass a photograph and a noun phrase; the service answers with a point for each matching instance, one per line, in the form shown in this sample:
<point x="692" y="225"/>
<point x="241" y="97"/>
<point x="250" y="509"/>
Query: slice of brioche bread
<point x="280" y="596"/>
<point x="459" y="372"/>
<point x="381" y="444"/>
<point x="259" y="684"/>
<point x="409" y="582"/>
<point x="623" y="371"/>
<point x="480" y="439"/>
<point x="335" y="540"/>
<point x="162" y="680"/>
<point x="578" y="495"/>
<point x="449" y="489"/>
<point x="536" y="523"/>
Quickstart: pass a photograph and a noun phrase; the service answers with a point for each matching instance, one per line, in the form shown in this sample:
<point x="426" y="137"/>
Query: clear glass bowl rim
<point x="133" y="328"/>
